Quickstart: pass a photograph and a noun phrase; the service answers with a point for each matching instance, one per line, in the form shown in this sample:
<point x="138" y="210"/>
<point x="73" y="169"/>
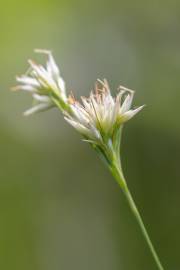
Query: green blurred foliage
<point x="60" y="208"/>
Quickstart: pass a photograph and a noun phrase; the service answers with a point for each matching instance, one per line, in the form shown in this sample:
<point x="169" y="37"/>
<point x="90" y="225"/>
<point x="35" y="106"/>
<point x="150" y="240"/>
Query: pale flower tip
<point x="138" y="109"/>
<point x="18" y="78"/>
<point x="141" y="107"/>
<point x="123" y="88"/>
<point x="104" y="82"/>
<point x="15" y="88"/>
<point x="100" y="81"/>
<point x="31" y="62"/>
<point x="129" y="114"/>
<point x="26" y="113"/>
<point x="44" y="51"/>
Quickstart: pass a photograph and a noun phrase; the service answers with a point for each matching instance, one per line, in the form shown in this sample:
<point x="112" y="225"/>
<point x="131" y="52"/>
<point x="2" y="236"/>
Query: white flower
<point x="45" y="84"/>
<point x="101" y="115"/>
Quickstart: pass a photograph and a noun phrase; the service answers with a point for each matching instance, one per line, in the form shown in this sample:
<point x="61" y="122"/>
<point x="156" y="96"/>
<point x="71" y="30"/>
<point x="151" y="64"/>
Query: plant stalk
<point x="117" y="172"/>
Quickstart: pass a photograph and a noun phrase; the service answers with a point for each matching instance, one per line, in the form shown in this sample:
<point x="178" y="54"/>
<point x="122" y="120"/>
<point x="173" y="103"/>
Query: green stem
<point x="117" y="172"/>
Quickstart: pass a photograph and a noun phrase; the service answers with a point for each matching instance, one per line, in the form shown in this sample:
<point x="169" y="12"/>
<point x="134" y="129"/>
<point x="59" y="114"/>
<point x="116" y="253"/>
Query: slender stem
<point x="117" y="172"/>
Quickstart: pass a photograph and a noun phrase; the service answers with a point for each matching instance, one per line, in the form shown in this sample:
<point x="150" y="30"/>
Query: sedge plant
<point x="99" y="119"/>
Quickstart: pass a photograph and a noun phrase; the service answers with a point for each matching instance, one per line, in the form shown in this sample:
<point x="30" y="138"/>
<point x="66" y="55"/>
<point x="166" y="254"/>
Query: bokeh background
<point x="59" y="206"/>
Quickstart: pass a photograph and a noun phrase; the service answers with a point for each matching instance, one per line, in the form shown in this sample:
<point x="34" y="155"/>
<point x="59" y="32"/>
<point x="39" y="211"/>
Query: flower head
<point x="44" y="83"/>
<point x="98" y="117"/>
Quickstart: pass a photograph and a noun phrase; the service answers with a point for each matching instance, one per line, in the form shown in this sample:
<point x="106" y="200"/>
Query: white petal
<point x="108" y="100"/>
<point x="129" y="114"/>
<point x="127" y="103"/>
<point x="86" y="103"/>
<point x="79" y="127"/>
<point x="40" y="98"/>
<point x="28" y="80"/>
<point x="28" y="88"/>
<point x="79" y="114"/>
<point x="38" y="108"/>
<point x="116" y="108"/>
<point x="95" y="133"/>
<point x="52" y="67"/>
<point x="95" y="109"/>
<point x="42" y="74"/>
<point x="61" y="85"/>
<point x="42" y="51"/>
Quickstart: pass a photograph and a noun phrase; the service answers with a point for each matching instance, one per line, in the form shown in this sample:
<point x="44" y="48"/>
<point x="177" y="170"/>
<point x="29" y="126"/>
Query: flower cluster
<point x="98" y="118"/>
<point x="44" y="83"/>
<point x="100" y="115"/>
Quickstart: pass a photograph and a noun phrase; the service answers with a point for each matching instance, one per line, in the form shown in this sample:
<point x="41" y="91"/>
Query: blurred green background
<point x="59" y="206"/>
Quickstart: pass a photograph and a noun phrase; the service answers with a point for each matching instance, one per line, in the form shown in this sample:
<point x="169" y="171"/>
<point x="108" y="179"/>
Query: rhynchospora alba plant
<point x="98" y="118"/>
